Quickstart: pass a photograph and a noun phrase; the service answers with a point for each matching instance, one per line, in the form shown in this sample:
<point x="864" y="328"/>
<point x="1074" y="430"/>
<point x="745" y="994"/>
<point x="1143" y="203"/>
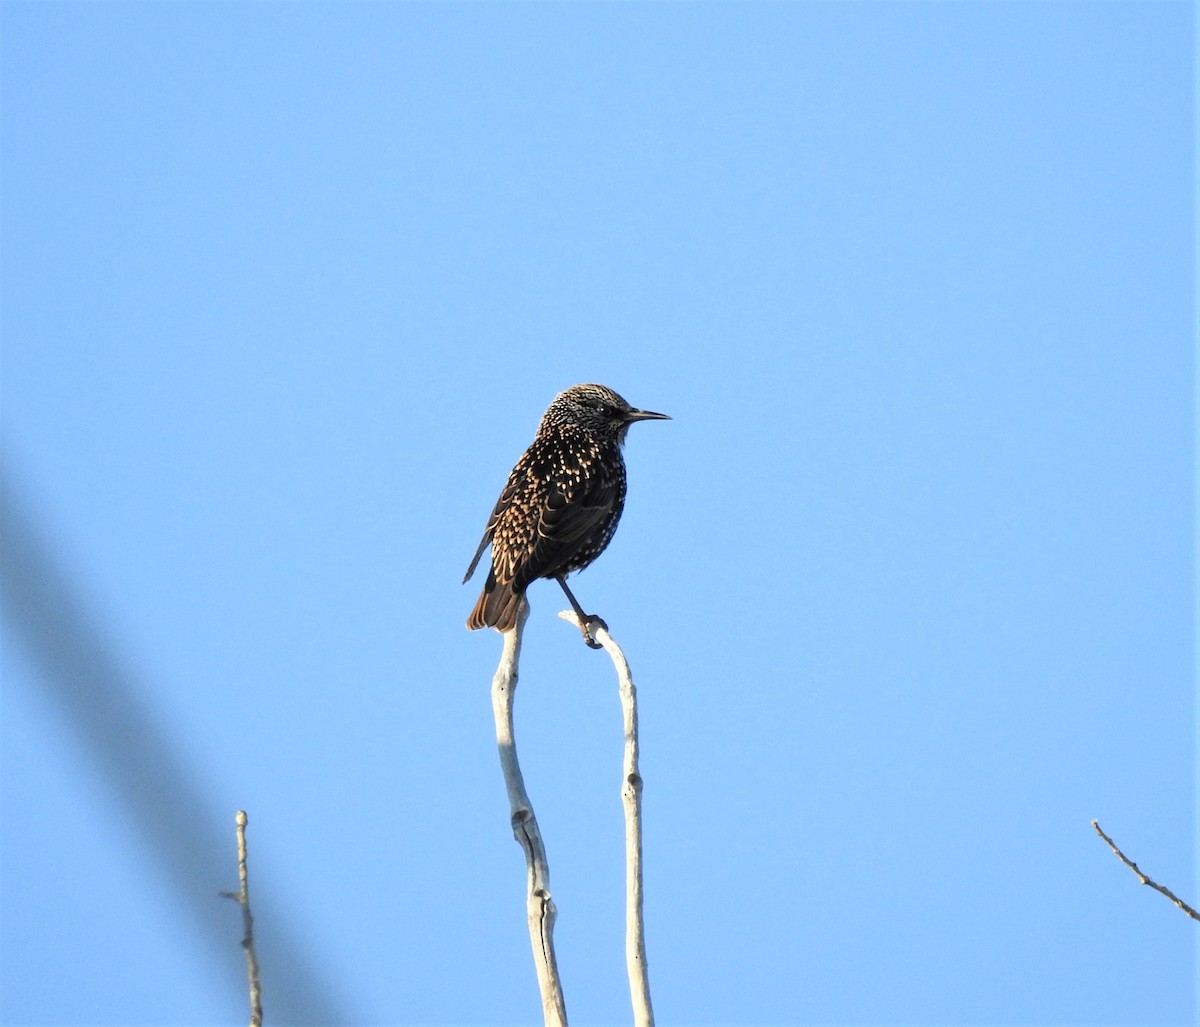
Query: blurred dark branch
<point x="111" y="722"/>
<point x="1143" y="878"/>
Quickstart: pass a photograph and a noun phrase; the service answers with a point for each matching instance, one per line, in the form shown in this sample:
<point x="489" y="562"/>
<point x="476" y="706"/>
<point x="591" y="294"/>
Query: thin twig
<point x="243" y="898"/>
<point x="1143" y="878"/>
<point x="631" y="800"/>
<point x="540" y="910"/>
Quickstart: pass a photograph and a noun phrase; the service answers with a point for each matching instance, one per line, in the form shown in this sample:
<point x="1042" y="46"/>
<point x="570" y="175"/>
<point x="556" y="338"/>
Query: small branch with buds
<point x="1143" y="878"/>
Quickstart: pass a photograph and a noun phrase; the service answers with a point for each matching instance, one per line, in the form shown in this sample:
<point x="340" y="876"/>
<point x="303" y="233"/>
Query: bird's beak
<point x="645" y="415"/>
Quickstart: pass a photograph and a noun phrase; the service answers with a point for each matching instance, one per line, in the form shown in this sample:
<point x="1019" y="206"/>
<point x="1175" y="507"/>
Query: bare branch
<point x="631" y="800"/>
<point x="243" y="899"/>
<point x="540" y="910"/>
<point x="1143" y="878"/>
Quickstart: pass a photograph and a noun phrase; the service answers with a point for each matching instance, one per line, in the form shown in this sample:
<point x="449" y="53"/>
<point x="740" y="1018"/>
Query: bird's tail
<point x="496" y="608"/>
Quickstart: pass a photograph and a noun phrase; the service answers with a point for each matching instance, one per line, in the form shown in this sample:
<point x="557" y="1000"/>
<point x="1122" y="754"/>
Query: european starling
<point x="561" y="504"/>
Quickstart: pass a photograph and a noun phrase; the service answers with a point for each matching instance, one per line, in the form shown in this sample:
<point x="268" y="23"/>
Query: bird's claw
<point x="587" y="635"/>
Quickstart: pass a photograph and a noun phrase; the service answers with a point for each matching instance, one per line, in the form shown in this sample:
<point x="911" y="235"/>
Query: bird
<point x="561" y="504"/>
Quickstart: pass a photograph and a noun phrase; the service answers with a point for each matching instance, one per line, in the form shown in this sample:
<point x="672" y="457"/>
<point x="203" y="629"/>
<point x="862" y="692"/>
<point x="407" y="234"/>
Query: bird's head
<point x="596" y="408"/>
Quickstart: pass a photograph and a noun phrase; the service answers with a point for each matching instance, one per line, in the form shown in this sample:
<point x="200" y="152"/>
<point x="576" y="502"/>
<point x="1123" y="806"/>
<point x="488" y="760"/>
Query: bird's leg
<point x="584" y="618"/>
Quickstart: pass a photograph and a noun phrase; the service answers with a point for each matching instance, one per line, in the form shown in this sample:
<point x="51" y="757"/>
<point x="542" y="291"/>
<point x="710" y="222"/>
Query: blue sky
<point x="907" y="584"/>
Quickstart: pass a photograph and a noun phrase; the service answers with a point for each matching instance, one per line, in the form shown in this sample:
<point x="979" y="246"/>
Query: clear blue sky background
<point x="907" y="583"/>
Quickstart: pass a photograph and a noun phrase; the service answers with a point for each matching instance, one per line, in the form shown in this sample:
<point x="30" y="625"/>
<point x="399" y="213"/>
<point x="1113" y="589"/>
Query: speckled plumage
<point x="562" y="501"/>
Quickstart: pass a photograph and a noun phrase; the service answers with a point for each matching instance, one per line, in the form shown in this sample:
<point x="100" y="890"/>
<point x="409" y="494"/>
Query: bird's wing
<point x="547" y="511"/>
<point x="567" y="520"/>
<point x="487" y="537"/>
<point x="571" y="514"/>
<point x="511" y="487"/>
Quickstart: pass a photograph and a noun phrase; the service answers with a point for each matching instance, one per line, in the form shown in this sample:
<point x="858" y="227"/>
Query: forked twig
<point x="1143" y="878"/>
<point x="631" y="800"/>
<point x="539" y="907"/>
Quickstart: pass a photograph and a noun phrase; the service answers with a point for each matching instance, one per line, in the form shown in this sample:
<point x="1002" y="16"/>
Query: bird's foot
<point x="586" y="623"/>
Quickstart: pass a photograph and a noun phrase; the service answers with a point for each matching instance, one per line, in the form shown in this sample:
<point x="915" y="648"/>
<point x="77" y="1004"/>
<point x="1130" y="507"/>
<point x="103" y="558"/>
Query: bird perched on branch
<point x="561" y="504"/>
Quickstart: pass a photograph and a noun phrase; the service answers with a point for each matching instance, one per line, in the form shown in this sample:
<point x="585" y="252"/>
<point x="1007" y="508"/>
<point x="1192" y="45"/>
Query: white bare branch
<point x="540" y="909"/>
<point x="631" y="800"/>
